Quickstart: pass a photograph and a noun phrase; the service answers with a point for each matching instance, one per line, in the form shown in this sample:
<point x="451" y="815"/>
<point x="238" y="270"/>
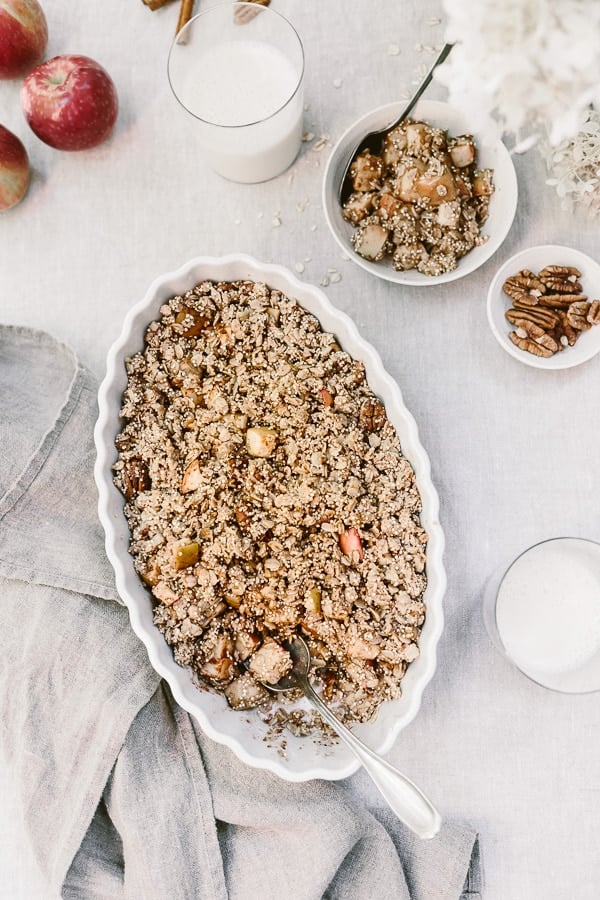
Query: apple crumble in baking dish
<point x="267" y="493"/>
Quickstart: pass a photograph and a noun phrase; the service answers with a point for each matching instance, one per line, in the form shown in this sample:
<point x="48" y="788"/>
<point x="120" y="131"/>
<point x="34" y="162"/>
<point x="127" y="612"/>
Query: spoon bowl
<point x="402" y="796"/>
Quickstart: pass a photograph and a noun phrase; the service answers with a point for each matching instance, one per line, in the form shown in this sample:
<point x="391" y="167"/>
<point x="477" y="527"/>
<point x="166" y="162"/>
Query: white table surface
<point x="514" y="451"/>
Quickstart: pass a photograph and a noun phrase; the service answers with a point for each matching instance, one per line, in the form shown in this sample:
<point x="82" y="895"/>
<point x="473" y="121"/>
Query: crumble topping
<point x="267" y="494"/>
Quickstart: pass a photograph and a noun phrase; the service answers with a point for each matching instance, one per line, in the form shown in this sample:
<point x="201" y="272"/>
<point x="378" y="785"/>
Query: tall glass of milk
<point x="543" y="613"/>
<point x="237" y="69"/>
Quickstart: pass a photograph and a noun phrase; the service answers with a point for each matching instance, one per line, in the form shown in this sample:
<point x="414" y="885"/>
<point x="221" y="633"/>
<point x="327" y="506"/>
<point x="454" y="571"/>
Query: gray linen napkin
<point x="122" y="794"/>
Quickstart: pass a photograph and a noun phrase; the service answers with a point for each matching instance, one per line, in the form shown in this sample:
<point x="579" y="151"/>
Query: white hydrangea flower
<point x="574" y="166"/>
<point x="524" y="67"/>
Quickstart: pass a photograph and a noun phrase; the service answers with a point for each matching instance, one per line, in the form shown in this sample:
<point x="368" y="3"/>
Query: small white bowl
<point x="246" y="733"/>
<point x="490" y="156"/>
<point x="534" y="259"/>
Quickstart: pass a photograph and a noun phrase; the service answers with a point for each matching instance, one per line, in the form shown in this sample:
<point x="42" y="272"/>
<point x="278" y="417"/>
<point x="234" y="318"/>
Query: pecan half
<point x="545" y="318"/>
<point x="566" y="330"/>
<point x="527" y="329"/>
<point x="561" y="271"/>
<point x="560" y="301"/>
<point x="593" y="315"/>
<point x="577" y="313"/>
<point x="372" y="416"/>
<point x="525" y="343"/>
<point x="562" y="285"/>
<point x="527" y="282"/>
<point x="136" y="478"/>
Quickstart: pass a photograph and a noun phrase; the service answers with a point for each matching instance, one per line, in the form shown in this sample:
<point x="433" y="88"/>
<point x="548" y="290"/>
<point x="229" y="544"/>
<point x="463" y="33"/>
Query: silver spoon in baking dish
<point x="408" y="802"/>
<point x="374" y="139"/>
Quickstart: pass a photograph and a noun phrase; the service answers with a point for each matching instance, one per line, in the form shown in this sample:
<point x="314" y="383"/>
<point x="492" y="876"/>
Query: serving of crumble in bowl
<point x="259" y="474"/>
<point x="431" y="207"/>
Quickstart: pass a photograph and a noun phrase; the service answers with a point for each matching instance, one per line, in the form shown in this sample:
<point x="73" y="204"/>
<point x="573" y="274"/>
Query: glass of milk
<point x="237" y="69"/>
<point x="543" y="613"/>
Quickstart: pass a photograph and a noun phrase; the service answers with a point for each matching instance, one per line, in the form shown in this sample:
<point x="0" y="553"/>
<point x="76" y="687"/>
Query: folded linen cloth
<point x="122" y="795"/>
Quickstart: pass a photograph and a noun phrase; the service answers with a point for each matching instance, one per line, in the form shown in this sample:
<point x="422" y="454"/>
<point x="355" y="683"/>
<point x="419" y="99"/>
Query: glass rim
<point x="259" y="10"/>
<point x="505" y="572"/>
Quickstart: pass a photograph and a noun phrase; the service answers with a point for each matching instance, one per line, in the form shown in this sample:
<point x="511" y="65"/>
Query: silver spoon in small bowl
<point x="405" y="799"/>
<point x="374" y="139"/>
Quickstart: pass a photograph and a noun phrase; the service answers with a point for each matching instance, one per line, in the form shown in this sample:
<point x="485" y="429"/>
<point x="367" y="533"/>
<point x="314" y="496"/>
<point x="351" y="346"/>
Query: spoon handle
<point x="423" y="86"/>
<point x="405" y="799"/>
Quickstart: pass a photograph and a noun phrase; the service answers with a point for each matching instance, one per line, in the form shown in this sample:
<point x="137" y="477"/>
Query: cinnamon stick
<point x="186" y="11"/>
<point x="242" y="15"/>
<point x="155" y="4"/>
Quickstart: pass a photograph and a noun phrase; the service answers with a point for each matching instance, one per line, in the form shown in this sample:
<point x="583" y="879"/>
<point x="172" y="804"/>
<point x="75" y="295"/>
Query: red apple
<point x="23" y="36"/>
<point x="14" y="169"/>
<point x="70" y="102"/>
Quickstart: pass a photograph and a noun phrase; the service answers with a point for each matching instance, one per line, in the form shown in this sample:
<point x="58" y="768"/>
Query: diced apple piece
<point x="418" y="138"/>
<point x="394" y="145"/>
<point x="462" y="151"/>
<point x="164" y="593"/>
<point x="261" y="441"/>
<point x="408" y="256"/>
<point x="357" y="207"/>
<point x="370" y="240"/>
<point x="483" y="185"/>
<point x="350" y="542"/>
<point x="436" y="187"/>
<point x="365" y="172"/>
<point x="358" y="648"/>
<point x="193" y="322"/>
<point x="270" y="663"/>
<point x="220" y="666"/>
<point x="405" y="183"/>
<point x="246" y="693"/>
<point x="218" y="669"/>
<point x="388" y="205"/>
<point x="448" y="213"/>
<point x="313" y="601"/>
<point x="326" y="397"/>
<point x="187" y="555"/>
<point x="245" y="645"/>
<point x="192" y="478"/>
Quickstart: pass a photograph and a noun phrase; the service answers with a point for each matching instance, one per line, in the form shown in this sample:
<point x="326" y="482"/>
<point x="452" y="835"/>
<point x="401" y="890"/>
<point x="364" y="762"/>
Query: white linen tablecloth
<point x="513" y="450"/>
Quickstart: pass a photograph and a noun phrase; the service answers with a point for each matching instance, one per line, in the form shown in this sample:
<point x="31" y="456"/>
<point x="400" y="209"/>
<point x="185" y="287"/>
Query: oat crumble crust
<point x="267" y="493"/>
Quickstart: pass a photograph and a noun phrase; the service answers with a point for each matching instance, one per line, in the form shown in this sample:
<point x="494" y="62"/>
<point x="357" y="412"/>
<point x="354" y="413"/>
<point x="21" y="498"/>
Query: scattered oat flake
<point x="308" y="136"/>
<point x="404" y="95"/>
<point x="318" y="145"/>
<point x="237" y="221"/>
<point x="338" y="82"/>
<point x="275" y="221"/>
<point x="433" y="21"/>
<point x="307" y="259"/>
<point x="299" y="267"/>
<point x="260" y="215"/>
<point x="419" y="48"/>
<point x="324" y="281"/>
<point x="335" y="277"/>
<point x="393" y="50"/>
<point x="313" y="227"/>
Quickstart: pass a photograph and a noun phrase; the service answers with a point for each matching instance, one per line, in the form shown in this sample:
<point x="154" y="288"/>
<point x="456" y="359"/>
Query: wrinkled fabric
<point x="122" y="795"/>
